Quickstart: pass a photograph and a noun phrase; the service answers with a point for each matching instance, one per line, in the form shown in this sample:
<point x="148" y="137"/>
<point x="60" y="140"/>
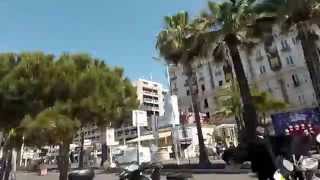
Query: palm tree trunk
<point x="63" y="161"/>
<point x="311" y="55"/>
<point x="81" y="149"/>
<point x="203" y="157"/>
<point x="249" y="111"/>
<point x="211" y="75"/>
<point x="104" y="156"/>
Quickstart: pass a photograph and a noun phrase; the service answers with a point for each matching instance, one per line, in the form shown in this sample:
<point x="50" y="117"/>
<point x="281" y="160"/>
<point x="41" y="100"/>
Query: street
<point x="54" y="176"/>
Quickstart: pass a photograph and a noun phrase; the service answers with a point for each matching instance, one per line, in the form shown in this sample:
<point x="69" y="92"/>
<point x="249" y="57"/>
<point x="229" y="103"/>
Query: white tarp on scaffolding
<point x="171" y="112"/>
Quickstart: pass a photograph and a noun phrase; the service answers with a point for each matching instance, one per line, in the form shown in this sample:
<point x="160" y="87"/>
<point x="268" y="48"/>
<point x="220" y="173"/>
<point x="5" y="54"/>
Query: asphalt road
<point x="54" y="176"/>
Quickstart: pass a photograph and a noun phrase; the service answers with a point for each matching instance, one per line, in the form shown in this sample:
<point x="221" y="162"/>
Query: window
<point x="186" y="83"/>
<point x="301" y="99"/>
<point x="262" y="69"/>
<point x="284" y="44"/>
<point x="203" y="88"/>
<point x="259" y="54"/>
<point x="206" y="104"/>
<point x="217" y="73"/>
<point x="294" y="40"/>
<point x="145" y="82"/>
<point x="188" y="92"/>
<point x="295" y="80"/>
<point x="275" y="63"/>
<point x="173" y="73"/>
<point x="289" y="60"/>
<point x="220" y="83"/>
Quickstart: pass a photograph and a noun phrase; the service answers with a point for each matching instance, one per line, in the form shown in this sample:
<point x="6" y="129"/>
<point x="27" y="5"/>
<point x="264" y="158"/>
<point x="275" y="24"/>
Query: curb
<point x="207" y="171"/>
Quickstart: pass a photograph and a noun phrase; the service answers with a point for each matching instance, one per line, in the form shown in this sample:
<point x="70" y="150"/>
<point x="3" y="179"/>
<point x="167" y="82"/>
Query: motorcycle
<point x="136" y="172"/>
<point x="307" y="166"/>
<point x="285" y="169"/>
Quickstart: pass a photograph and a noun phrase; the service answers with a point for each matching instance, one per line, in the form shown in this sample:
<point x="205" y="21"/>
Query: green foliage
<point x="50" y="127"/>
<point x="172" y="40"/>
<point x="58" y="93"/>
<point x="229" y="101"/>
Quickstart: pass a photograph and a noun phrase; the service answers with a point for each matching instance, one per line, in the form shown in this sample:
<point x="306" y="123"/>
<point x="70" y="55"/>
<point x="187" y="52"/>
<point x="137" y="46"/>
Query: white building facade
<point x="276" y="65"/>
<point x="151" y="97"/>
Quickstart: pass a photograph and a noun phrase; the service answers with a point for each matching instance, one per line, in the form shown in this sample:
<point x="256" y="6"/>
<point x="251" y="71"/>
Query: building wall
<point x="151" y="96"/>
<point x="92" y="133"/>
<point x="297" y="91"/>
<point x="280" y="83"/>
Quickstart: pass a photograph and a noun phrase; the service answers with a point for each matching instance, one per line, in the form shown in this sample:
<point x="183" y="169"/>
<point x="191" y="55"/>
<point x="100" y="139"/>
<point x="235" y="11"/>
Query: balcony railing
<point x="149" y="108"/>
<point x="201" y="79"/>
<point x="150" y="100"/>
<point x="259" y="57"/>
<point x="173" y="78"/>
<point x="174" y="89"/>
<point x="285" y="48"/>
<point x="150" y="93"/>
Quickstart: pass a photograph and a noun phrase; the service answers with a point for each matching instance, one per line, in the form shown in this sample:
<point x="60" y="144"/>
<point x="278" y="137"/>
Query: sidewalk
<point x="217" y="167"/>
<point x="207" y="171"/>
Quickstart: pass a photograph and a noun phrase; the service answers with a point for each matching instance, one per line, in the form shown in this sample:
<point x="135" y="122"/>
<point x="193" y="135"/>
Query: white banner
<point x="140" y="117"/>
<point x="110" y="139"/>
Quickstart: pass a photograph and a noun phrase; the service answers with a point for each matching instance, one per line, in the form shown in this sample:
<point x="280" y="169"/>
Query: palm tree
<point x="302" y="14"/>
<point x="231" y="19"/>
<point x="176" y="44"/>
<point x="229" y="104"/>
<point x="265" y="103"/>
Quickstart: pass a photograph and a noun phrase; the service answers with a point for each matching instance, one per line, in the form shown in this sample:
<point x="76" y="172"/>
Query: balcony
<point x="275" y="63"/>
<point x="173" y="78"/>
<point x="259" y="57"/>
<point x="149" y="108"/>
<point x="201" y="79"/>
<point x="174" y="89"/>
<point x="285" y="48"/>
<point x="150" y="93"/>
<point x="149" y="100"/>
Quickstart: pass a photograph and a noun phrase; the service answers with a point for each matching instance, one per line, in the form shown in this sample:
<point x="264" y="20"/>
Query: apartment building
<point x="279" y="67"/>
<point x="151" y="97"/>
<point x="92" y="135"/>
<point x="276" y="65"/>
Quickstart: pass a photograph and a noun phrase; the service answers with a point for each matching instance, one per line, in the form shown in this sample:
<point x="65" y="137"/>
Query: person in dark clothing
<point x="262" y="153"/>
<point x="72" y="157"/>
<point x="228" y="155"/>
<point x="301" y="145"/>
<point x="261" y="160"/>
<point x="219" y="149"/>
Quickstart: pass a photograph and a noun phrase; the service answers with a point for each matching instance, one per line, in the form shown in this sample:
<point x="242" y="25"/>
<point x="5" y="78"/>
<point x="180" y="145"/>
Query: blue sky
<point x="122" y="32"/>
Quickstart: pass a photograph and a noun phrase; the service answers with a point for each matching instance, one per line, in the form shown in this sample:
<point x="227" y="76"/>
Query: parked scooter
<point x="305" y="165"/>
<point x="136" y="172"/>
<point x="285" y="169"/>
<point x="308" y="166"/>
